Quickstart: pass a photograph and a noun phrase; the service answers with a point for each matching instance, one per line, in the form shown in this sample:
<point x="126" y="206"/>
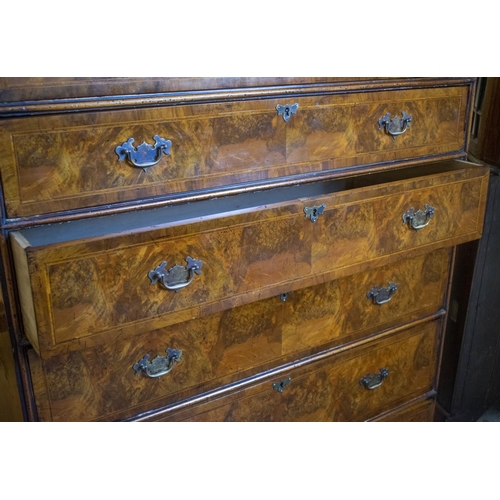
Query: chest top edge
<point x="44" y="95"/>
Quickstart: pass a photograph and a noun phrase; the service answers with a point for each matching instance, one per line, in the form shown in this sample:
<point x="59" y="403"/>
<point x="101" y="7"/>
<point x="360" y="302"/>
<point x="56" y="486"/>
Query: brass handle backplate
<point x="382" y="295"/>
<point x="419" y="219"/>
<point x="371" y="382"/>
<point x="395" y="126"/>
<point x="144" y="155"/>
<point x="160" y="366"/>
<point x="178" y="276"/>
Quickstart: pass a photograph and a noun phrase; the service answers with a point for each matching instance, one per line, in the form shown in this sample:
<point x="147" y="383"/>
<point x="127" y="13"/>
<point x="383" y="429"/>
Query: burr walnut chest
<point x="231" y="248"/>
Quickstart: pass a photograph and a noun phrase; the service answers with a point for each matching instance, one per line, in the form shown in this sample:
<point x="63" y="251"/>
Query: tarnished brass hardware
<point x="282" y="384"/>
<point x="160" y="366"/>
<point x="314" y="212"/>
<point x="395" y="126"/>
<point x="145" y="155"/>
<point x="419" y="219"/>
<point x="287" y="110"/>
<point x="371" y="382"/>
<point x="382" y="295"/>
<point x="178" y="276"/>
<point x="284" y="296"/>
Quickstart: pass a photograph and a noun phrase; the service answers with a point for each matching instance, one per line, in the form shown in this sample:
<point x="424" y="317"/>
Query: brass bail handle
<point x="419" y="219"/>
<point x="382" y="295"/>
<point x="160" y="366"/>
<point x="371" y="382"/>
<point x="145" y="155"/>
<point x="395" y="126"/>
<point x="176" y="277"/>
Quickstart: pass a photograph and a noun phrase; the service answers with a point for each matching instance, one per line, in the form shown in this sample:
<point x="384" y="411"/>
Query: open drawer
<point x="89" y="281"/>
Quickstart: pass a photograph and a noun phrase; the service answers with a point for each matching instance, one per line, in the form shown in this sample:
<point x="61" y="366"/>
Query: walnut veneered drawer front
<point x="56" y="163"/>
<point x="354" y="385"/>
<point x="101" y="382"/>
<point x="78" y="280"/>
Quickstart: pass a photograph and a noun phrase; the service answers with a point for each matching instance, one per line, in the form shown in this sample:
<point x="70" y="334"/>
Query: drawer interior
<point x="202" y="210"/>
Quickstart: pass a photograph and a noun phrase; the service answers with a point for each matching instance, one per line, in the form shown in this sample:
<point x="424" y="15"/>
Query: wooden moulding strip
<point x="246" y="383"/>
<point x="10" y="109"/>
<point x="19" y="245"/>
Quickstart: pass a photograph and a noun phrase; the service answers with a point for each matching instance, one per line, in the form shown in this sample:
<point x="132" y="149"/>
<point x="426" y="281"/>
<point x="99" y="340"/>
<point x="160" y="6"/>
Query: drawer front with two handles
<point x="57" y="163"/>
<point x="355" y="385"/>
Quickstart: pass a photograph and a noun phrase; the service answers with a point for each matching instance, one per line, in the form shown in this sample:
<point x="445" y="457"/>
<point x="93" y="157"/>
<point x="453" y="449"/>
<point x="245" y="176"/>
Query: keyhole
<point x="280" y="386"/>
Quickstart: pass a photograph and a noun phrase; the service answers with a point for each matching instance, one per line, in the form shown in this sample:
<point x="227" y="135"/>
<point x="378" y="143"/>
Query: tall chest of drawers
<point x="232" y="248"/>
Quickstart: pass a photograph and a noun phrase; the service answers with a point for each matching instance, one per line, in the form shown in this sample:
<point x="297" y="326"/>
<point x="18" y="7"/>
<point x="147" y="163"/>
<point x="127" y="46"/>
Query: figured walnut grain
<point x="99" y="286"/>
<point x="98" y="382"/>
<point x="63" y="162"/>
<point x="330" y="391"/>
